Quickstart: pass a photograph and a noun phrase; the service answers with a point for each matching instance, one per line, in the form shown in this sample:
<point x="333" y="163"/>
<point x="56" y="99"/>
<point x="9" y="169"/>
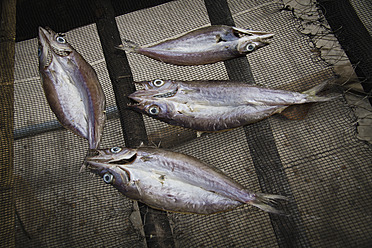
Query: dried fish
<point x="173" y="181"/>
<point x="203" y="46"/>
<point x="71" y="87"/>
<point x="215" y="105"/>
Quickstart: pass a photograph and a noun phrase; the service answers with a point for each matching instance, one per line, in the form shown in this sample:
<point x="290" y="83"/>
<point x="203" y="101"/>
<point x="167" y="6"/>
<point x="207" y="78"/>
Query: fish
<point x="174" y="182"/>
<point x="209" y="106"/>
<point x="206" y="45"/>
<point x="71" y="87"/>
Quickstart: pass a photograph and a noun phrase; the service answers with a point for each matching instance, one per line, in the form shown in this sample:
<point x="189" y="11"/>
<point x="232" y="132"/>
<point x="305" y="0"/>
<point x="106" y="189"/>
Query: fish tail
<point x="320" y="98"/>
<point x="90" y="152"/>
<point x="318" y="88"/>
<point x="312" y="97"/>
<point x="128" y="46"/>
<point x="267" y="202"/>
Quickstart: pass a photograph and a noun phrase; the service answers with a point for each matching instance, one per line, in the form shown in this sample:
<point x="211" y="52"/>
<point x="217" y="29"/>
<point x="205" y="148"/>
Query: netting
<point x="317" y="160"/>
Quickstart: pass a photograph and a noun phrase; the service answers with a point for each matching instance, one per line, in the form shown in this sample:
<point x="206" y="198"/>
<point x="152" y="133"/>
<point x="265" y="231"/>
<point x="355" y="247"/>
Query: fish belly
<point x="196" y="56"/>
<point x="217" y="118"/>
<point x="174" y="195"/>
<point x="66" y="101"/>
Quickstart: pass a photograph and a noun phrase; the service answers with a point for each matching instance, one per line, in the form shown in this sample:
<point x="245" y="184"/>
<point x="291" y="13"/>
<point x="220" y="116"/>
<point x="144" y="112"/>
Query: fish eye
<point x="250" y="47"/>
<point x="115" y="149"/>
<point x="158" y="82"/>
<point x="60" y="39"/>
<point x="108" y="177"/>
<point x="154" y="110"/>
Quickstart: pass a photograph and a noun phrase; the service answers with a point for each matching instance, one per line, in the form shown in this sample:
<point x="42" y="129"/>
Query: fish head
<point x="51" y="44"/>
<point x="155" y="99"/>
<point x="109" y="164"/>
<point x="252" y="42"/>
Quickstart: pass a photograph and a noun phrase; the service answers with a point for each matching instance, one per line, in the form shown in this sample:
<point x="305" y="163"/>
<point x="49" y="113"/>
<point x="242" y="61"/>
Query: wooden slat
<point x="155" y="223"/>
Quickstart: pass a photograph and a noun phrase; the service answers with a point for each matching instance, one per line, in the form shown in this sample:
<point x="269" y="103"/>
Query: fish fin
<point x="267" y="202"/>
<point x="296" y="112"/>
<point x="84" y="163"/>
<point x="83" y="167"/>
<point x="315" y="90"/>
<point x="280" y="110"/>
<point x="128" y="46"/>
<point x="321" y="98"/>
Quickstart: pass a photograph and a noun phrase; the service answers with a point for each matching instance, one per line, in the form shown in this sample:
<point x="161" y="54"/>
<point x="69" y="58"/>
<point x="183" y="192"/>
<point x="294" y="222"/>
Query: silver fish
<point x="214" y="105"/>
<point x="203" y="46"/>
<point x="173" y="181"/>
<point x="71" y="87"/>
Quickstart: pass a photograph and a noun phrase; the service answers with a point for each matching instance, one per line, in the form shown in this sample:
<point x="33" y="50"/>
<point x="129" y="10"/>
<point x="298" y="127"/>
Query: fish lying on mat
<point x="214" y="105"/>
<point x="71" y="87"/>
<point x="203" y="46"/>
<point x="173" y="181"/>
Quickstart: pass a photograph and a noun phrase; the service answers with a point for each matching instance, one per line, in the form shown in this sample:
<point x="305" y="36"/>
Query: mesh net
<point x="317" y="161"/>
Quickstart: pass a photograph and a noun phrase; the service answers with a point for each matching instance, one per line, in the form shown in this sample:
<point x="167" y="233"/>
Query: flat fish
<point x="71" y="87"/>
<point x="174" y="182"/>
<point x="203" y="46"/>
<point x="214" y="105"/>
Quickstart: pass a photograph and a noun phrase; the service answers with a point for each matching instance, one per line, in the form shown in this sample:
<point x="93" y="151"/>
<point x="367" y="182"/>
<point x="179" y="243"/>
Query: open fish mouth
<point x="167" y="95"/>
<point x="46" y="49"/>
<point x="49" y="58"/>
<point x="124" y="160"/>
<point x="264" y="41"/>
<point x="240" y="32"/>
<point x="101" y="157"/>
<point x="61" y="53"/>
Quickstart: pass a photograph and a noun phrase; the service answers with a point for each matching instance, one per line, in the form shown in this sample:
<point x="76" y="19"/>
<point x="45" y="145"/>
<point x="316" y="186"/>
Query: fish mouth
<point x="99" y="158"/>
<point x="261" y="40"/>
<point x="97" y="164"/>
<point x="239" y="32"/>
<point x="144" y="91"/>
<point x="142" y="96"/>
<point x="264" y="37"/>
<point x="137" y="99"/>
<point x="46" y="36"/>
<point x="167" y="95"/>
<point x="61" y="53"/>
<point x="124" y="160"/>
<point x="249" y="44"/>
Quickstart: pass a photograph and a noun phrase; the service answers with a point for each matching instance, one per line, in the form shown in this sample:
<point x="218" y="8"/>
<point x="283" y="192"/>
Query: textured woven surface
<point x="327" y="170"/>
